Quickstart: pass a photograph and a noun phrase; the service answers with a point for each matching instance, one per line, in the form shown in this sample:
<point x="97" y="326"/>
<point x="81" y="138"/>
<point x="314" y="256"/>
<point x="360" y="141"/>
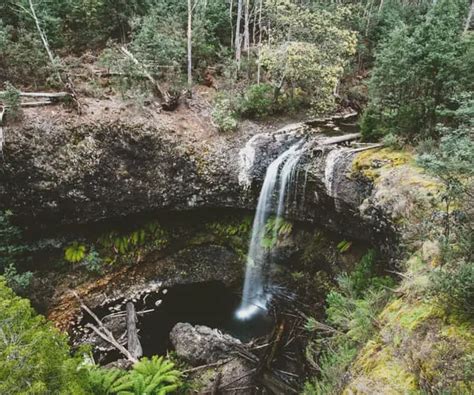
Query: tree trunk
<point x="469" y="17"/>
<point x="231" y="9"/>
<point x="246" y="27"/>
<point x="259" y="51"/>
<point x="133" y="343"/>
<point x="41" y="33"/>
<point x="190" y="32"/>
<point x="238" y="39"/>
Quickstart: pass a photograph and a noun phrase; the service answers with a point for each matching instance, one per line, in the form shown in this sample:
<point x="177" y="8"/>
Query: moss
<point x="371" y="162"/>
<point x="458" y="330"/>
<point x="409" y="316"/>
<point x="387" y="374"/>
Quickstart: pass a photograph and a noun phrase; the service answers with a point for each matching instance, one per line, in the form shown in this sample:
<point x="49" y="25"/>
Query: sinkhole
<point x="212" y="304"/>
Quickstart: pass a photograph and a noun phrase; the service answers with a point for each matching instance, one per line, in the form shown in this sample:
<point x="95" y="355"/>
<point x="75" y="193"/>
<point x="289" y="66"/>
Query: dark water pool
<point x="210" y="303"/>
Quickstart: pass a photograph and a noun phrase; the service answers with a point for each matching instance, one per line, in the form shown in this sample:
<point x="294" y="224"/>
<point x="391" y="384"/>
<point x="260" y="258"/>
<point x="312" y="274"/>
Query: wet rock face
<point x="84" y="174"/>
<point x="200" y="344"/>
<point x="59" y="174"/>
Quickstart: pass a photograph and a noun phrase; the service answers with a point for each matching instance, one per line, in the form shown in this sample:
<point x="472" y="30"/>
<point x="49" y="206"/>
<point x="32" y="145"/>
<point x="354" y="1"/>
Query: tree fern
<point x="155" y="376"/>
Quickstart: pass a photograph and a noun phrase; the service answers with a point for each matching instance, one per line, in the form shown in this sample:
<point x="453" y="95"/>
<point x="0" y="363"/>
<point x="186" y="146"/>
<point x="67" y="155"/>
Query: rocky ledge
<point x="81" y="170"/>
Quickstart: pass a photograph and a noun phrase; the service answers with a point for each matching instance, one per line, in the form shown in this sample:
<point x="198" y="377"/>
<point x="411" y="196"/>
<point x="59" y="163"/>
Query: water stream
<point x="277" y="182"/>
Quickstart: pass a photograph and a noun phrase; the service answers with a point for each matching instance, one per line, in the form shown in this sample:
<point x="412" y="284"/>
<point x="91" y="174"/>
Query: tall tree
<point x="190" y="32"/>
<point x="238" y="36"/>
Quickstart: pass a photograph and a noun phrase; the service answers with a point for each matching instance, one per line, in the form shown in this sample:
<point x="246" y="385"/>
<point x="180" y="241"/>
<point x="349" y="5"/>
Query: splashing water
<point x="255" y="294"/>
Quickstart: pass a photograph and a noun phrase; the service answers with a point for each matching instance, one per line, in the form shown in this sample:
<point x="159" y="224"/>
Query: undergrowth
<point x="351" y="320"/>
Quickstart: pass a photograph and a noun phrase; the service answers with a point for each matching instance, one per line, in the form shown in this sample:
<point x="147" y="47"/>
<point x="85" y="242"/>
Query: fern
<point x="75" y="252"/>
<point x="155" y="376"/>
<point x="344" y="245"/>
<point x="103" y="381"/>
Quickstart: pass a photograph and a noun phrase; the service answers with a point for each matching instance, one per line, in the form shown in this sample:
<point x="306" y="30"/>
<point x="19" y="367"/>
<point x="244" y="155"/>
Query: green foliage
<point x="102" y="381"/>
<point x="257" y="101"/>
<point x="12" y="248"/>
<point x="351" y="320"/>
<point x="155" y="376"/>
<point x="22" y="58"/>
<point x="13" y="253"/>
<point x="234" y="233"/>
<point x="308" y="50"/>
<point x="344" y="246"/>
<point x="418" y="69"/>
<point x="150" y="236"/>
<point x="224" y="114"/>
<point x="275" y="228"/>
<point x="34" y="356"/>
<point x="75" y="252"/>
<point x="11" y="98"/>
<point x="19" y="282"/>
<point x="453" y="286"/>
<point x="92" y="261"/>
<point x="333" y="366"/>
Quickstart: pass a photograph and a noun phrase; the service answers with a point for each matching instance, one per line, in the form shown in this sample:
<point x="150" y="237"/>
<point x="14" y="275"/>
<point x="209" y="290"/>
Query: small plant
<point x="224" y="114"/>
<point x="390" y="140"/>
<point x="344" y="246"/>
<point x="93" y="261"/>
<point x="11" y="99"/>
<point x="275" y="228"/>
<point x="155" y="376"/>
<point x="19" y="282"/>
<point x="75" y="252"/>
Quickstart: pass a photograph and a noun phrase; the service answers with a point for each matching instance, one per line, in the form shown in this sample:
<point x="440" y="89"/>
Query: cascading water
<point x="255" y="293"/>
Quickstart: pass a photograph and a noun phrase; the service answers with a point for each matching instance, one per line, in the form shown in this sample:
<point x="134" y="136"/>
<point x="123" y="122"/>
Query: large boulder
<point x="200" y="344"/>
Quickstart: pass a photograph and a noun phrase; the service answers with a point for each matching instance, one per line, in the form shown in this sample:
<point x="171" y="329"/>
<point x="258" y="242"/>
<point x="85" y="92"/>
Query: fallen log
<point x="39" y="103"/>
<point x="48" y="95"/>
<point x="337" y="117"/>
<point x="133" y="343"/>
<point x="103" y="332"/>
<point x="340" y="139"/>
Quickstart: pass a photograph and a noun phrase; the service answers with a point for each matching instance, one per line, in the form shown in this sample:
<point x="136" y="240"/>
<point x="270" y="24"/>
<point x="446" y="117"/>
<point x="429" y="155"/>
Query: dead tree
<point x="104" y="333"/>
<point x="68" y="83"/>
<point x="133" y="343"/>
<point x="169" y="103"/>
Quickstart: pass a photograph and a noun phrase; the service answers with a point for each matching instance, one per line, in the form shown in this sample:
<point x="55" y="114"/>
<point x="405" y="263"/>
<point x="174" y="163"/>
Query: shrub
<point x="351" y="310"/>
<point x="11" y="98"/>
<point x="224" y="114"/>
<point x="19" y="282"/>
<point x="333" y="366"/>
<point x="257" y="101"/>
<point x="454" y="287"/>
<point x="34" y="356"/>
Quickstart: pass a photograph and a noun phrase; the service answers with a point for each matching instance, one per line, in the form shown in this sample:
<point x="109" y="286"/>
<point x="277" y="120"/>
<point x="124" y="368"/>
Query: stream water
<point x="278" y="178"/>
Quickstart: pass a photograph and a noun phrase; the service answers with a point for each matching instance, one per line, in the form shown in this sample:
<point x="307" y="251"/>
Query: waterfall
<point x="255" y="293"/>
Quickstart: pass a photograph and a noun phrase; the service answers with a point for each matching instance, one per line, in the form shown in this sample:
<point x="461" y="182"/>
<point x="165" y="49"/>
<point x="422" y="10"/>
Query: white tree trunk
<point x="41" y="33"/>
<point x="190" y="32"/>
<point x="238" y="37"/>
<point x="259" y="67"/>
<point x="246" y="26"/>
<point x="469" y="17"/>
